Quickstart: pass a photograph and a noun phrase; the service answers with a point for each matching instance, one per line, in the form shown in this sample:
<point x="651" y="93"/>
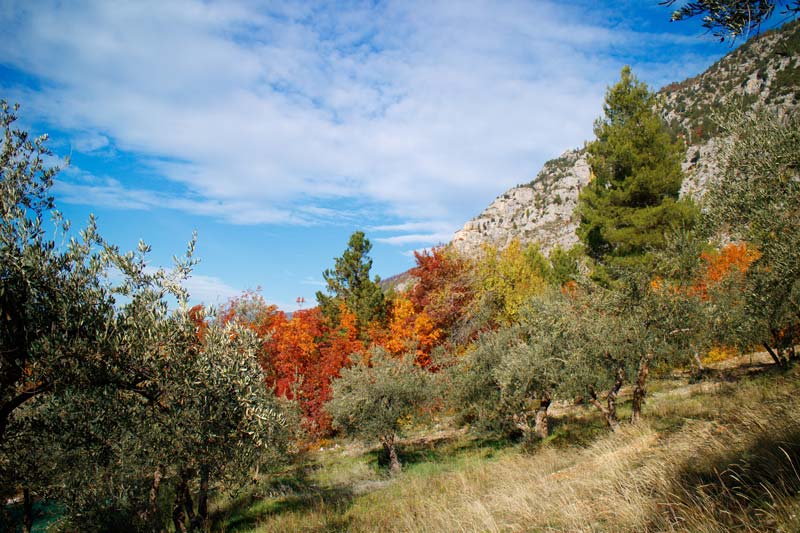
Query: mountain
<point x="764" y="71"/>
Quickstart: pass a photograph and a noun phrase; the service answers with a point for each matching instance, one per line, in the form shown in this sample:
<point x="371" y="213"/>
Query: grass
<point x="720" y="454"/>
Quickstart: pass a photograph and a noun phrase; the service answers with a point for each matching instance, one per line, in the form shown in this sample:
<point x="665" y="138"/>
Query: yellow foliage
<point x="510" y="276"/>
<point x="720" y="353"/>
<point x="411" y="331"/>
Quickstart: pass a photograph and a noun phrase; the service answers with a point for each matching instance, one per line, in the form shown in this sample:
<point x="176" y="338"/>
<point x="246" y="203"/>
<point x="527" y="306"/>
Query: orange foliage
<point x="300" y="355"/>
<point x="197" y="315"/>
<point x="411" y="331"/>
<point x="734" y="259"/>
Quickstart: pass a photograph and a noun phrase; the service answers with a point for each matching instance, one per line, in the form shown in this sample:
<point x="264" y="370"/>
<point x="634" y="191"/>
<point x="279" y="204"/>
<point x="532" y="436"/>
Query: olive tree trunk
<point x="391" y="452"/>
<point x="151" y="514"/>
<point x="180" y="504"/>
<point x="201" y="519"/>
<point x="779" y="360"/>
<point x="640" y="387"/>
<point x="541" y="424"/>
<point x="27" y="510"/>
<point x="609" y="410"/>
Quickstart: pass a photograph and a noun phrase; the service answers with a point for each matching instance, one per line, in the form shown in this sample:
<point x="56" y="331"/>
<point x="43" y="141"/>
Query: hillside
<point x="764" y="71"/>
<point x="708" y="459"/>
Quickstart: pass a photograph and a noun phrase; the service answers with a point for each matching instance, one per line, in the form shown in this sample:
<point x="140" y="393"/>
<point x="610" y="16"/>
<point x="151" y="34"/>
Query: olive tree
<point x="372" y="397"/>
<point x="730" y="19"/>
<point x="216" y="419"/>
<point x="755" y="199"/>
<point x="105" y="399"/>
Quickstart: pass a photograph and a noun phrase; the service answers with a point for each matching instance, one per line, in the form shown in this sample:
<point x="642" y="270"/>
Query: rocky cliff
<point x="765" y="72"/>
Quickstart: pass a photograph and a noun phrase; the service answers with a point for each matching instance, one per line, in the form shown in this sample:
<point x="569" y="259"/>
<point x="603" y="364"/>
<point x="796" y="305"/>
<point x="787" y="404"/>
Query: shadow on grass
<point x="442" y="452"/>
<point x="571" y="430"/>
<point x="741" y="489"/>
<point x="293" y="492"/>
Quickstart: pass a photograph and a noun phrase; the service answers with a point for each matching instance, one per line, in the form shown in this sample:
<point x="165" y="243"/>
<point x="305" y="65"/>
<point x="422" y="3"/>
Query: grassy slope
<point x="716" y="455"/>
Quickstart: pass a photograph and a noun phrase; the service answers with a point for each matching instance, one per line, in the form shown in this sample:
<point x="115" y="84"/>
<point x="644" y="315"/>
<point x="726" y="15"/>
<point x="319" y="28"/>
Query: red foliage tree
<point x="443" y="289"/>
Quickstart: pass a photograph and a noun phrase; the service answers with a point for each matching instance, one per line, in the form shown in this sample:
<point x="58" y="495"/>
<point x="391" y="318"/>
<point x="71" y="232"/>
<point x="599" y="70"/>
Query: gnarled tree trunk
<point x="391" y="452"/>
<point x="540" y="425"/>
<point x="611" y="399"/>
<point x="180" y="504"/>
<point x="151" y="515"/>
<point x="609" y="411"/>
<point x="201" y="519"/>
<point x="640" y="387"/>
<point x="189" y="505"/>
<point x="27" y="511"/>
<point x="775" y="357"/>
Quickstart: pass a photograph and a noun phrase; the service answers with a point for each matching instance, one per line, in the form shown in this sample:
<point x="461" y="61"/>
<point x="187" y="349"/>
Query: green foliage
<point x="371" y="399"/>
<point x="755" y="200"/>
<point x="100" y="398"/>
<point x="349" y="282"/>
<point x="729" y="19"/>
<point x="563" y="266"/>
<point x="498" y="385"/>
<point x="633" y="198"/>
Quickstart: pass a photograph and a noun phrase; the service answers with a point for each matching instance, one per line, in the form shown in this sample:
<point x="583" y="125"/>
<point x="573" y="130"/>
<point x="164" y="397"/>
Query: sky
<point x="276" y="129"/>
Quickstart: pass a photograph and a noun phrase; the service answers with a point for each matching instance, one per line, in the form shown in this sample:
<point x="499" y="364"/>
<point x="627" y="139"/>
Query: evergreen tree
<point x="633" y="195"/>
<point x="349" y="282"/>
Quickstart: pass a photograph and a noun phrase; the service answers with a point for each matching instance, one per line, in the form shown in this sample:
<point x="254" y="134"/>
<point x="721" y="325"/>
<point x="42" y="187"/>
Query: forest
<point x="125" y="408"/>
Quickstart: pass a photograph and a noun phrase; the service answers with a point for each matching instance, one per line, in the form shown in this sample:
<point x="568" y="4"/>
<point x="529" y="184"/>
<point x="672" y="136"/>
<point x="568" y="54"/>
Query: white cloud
<point x="420" y="108"/>
<point x="421" y="238"/>
<point x="209" y="290"/>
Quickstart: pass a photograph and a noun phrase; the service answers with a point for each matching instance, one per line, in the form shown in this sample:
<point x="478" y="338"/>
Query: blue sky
<point x="276" y="129"/>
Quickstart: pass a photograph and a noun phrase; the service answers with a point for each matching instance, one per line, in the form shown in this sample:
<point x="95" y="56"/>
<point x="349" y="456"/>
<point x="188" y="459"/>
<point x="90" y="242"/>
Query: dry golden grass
<point x="712" y="457"/>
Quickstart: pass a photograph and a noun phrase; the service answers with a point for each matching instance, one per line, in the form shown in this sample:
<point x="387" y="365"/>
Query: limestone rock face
<point x="540" y="211"/>
<point x="763" y="72"/>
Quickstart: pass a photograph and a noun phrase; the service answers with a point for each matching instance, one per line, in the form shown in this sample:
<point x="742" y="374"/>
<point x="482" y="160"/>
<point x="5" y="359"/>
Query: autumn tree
<point x="411" y="331"/>
<point x="349" y="282"/>
<point x="373" y="397"/>
<point x="443" y="287"/>
<point x="504" y="280"/>
<point x="632" y="199"/>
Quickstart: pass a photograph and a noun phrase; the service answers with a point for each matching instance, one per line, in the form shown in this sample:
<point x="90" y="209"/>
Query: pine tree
<point x="349" y="282"/>
<point x="633" y="196"/>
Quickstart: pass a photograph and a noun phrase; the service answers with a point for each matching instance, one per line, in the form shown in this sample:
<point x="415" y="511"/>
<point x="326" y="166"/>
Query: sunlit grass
<point x="714" y="455"/>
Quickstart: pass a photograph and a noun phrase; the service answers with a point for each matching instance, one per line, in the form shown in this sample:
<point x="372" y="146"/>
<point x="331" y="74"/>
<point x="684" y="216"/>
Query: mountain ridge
<point x="764" y="71"/>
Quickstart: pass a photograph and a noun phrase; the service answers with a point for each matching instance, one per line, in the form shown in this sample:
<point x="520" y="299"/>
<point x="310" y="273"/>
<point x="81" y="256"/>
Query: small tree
<point x="221" y="418"/>
<point x="371" y="399"/>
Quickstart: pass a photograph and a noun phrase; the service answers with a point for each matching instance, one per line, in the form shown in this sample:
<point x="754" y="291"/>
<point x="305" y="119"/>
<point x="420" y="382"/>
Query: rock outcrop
<point x="763" y="72"/>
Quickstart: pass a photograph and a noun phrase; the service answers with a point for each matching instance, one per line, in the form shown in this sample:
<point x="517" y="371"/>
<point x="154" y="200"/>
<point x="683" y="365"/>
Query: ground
<point x="713" y="454"/>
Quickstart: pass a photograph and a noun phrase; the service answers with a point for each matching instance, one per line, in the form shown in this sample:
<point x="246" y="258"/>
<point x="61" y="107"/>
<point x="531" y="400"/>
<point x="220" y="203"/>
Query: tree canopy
<point x="632" y="198"/>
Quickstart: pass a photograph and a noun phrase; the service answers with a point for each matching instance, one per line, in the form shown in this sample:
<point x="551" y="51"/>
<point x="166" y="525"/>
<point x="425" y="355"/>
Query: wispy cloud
<point x="265" y="114"/>
<point x="209" y="290"/>
<point x="416" y="238"/>
<point x="313" y="281"/>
